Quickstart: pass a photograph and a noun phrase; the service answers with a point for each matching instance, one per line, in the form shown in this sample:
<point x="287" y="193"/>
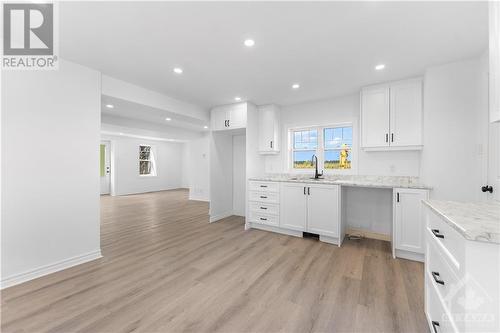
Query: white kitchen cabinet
<point x="293" y="206"/>
<point x="269" y="129"/>
<point x="391" y="116"/>
<point x="375" y="117"/>
<point x="227" y="117"/>
<point x="494" y="56"/>
<point x="406" y="113"/>
<point x="323" y="210"/>
<point x="408" y="223"/>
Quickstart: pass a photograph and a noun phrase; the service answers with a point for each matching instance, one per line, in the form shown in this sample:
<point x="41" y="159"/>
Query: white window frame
<point x="320" y="151"/>
<point x="152" y="160"/>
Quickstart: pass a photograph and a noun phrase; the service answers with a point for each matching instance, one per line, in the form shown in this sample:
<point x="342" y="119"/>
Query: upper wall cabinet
<point x="269" y="129"/>
<point x="391" y="116"/>
<point x="494" y="55"/>
<point x="227" y="117"/>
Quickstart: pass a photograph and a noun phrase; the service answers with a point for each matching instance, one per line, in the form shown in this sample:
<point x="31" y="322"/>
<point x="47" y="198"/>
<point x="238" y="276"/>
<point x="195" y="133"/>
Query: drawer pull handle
<point x="434" y="324"/>
<point x="263" y="197"/>
<point x="436" y="233"/>
<point x="263" y="185"/>
<point x="263" y="219"/>
<point x="436" y="277"/>
<point x="263" y="207"/>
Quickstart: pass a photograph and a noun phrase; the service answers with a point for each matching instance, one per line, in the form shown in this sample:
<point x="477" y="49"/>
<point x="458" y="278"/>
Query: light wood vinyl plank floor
<point x="166" y="269"/>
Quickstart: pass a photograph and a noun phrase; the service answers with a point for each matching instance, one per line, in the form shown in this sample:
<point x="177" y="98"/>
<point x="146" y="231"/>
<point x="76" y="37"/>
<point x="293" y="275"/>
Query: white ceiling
<point x="131" y="110"/>
<point x="329" y="48"/>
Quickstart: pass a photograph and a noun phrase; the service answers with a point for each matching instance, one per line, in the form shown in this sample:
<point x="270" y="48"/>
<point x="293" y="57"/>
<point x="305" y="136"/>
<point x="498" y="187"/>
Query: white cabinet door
<point x="408" y="219"/>
<point x="406" y="113"/>
<point x="219" y="118"/>
<point x="268" y="129"/>
<point x="323" y="211"/>
<point x="237" y="116"/>
<point x="494" y="56"/>
<point x="293" y="206"/>
<point x="375" y="117"/>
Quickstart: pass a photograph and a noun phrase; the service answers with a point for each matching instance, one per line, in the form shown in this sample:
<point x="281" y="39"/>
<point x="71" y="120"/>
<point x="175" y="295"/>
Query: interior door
<point x="293" y="206"/>
<point x="408" y="221"/>
<point x="406" y="113"/>
<point x="105" y="166"/>
<point x="375" y="116"/>
<point x="323" y="211"/>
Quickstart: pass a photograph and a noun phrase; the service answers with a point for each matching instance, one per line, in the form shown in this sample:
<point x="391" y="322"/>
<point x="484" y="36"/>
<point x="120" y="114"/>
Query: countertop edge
<point x="457" y="227"/>
<point x="342" y="183"/>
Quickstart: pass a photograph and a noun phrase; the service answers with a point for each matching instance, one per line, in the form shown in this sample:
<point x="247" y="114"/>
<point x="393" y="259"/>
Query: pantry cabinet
<point x="494" y="56"/>
<point x="391" y="116"/>
<point x="227" y="117"/>
<point x="269" y="129"/>
<point x="408" y="223"/>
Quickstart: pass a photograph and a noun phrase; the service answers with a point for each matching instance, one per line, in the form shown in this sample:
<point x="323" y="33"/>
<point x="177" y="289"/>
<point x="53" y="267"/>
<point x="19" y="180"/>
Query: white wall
<point x="342" y="110"/>
<point x="455" y="109"/>
<point x="50" y="171"/>
<point x="125" y="165"/>
<point x="239" y="176"/>
<point x="196" y="168"/>
<point x="221" y="179"/>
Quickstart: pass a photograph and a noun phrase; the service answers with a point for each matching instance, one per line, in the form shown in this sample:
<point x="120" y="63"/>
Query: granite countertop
<point x="474" y="221"/>
<point x="349" y="180"/>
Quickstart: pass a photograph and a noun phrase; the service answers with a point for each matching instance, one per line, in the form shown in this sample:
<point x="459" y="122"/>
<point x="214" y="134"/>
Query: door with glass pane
<point x="105" y="166"/>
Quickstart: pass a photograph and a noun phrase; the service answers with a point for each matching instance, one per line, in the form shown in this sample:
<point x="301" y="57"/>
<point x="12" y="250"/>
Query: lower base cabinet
<point x="408" y="225"/>
<point x="313" y="208"/>
<point x="293" y="206"/>
<point x="323" y="210"/>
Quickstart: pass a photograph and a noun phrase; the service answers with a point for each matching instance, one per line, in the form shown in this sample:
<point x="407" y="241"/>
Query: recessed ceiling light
<point x="295" y="86"/>
<point x="205" y="127"/>
<point x="178" y="70"/>
<point x="110" y="106"/>
<point x="380" y="67"/>
<point x="120" y="133"/>
<point x="237" y="99"/>
<point x="249" y="42"/>
<point x="168" y="119"/>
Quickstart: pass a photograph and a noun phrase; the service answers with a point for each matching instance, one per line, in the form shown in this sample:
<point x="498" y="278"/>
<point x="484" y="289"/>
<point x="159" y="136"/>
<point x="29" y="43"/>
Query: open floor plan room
<point x="250" y="167"/>
<point x="171" y="271"/>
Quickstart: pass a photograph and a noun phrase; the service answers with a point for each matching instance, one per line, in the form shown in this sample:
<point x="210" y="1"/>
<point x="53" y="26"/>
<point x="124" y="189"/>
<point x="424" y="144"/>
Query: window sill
<point x="147" y="176"/>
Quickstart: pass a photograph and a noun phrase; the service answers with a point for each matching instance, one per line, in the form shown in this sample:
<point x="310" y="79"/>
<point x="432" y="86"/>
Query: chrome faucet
<point x="314" y="161"/>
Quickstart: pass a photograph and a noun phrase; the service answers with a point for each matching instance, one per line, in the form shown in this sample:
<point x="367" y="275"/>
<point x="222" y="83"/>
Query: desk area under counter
<point x="293" y="205"/>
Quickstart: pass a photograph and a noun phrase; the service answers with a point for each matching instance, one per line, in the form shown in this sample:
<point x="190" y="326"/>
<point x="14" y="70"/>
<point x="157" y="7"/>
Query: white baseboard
<point x="410" y="255"/>
<point x="194" y="198"/>
<point x="214" y="218"/>
<point x="49" y="269"/>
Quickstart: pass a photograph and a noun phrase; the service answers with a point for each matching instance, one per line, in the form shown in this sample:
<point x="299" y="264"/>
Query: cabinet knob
<point x="434" y="325"/>
<point x="487" y="188"/>
<point x="436" y="277"/>
<point x="436" y="233"/>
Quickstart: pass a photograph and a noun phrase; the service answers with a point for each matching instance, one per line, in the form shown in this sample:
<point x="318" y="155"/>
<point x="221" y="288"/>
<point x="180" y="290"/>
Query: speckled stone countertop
<point x="348" y="180"/>
<point x="475" y="221"/>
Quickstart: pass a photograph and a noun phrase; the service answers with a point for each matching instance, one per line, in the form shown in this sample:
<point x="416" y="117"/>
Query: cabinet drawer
<point x="440" y="274"/>
<point x="264" y="219"/>
<point x="265" y="197"/>
<point x="264" y="186"/>
<point x="439" y="319"/>
<point x="264" y="208"/>
<point x="451" y="243"/>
